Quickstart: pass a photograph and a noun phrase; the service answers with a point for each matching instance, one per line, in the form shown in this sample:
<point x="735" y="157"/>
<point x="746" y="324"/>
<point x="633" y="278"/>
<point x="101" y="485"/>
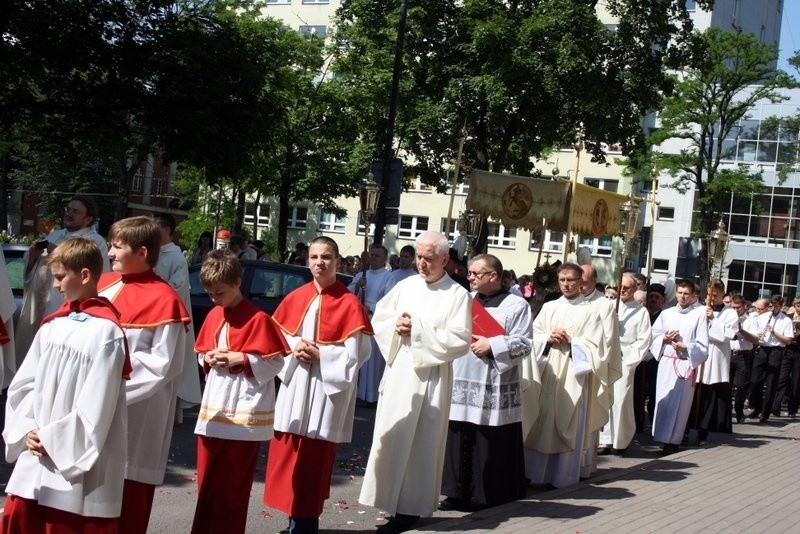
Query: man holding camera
<point x="39" y="298"/>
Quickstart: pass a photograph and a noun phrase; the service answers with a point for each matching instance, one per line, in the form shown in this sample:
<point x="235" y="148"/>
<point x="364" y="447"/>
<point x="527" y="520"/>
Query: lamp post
<point x="370" y="194"/>
<point x="628" y="218"/>
<point x="717" y="242"/>
<point x="472" y="224"/>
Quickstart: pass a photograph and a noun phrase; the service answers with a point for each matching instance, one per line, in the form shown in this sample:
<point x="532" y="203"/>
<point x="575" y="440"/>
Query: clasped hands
<point x="673" y="338"/>
<point x="559" y="336"/>
<point x="402" y="326"/>
<point x="222" y="358"/>
<point x="306" y="351"/>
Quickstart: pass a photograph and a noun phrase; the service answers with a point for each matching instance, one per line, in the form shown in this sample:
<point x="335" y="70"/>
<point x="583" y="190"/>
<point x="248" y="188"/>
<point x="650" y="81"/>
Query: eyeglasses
<point x="477" y="274"/>
<point x="569" y="280"/>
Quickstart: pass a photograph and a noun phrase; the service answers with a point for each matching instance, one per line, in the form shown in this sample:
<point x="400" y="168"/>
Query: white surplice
<point x="317" y="400"/>
<point x="404" y="471"/>
<point x="635" y="339"/>
<point x="70" y="388"/>
<point x="488" y="391"/>
<point x="722" y="329"/>
<point x="676" y="371"/>
<point x="157" y="361"/>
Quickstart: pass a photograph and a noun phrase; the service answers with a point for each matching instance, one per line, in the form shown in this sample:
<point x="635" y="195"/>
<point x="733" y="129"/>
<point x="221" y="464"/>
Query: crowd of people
<point x="475" y="395"/>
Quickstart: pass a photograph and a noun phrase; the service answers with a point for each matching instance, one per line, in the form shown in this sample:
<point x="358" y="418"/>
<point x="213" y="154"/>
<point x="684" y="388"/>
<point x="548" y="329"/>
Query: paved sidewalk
<point x="746" y="482"/>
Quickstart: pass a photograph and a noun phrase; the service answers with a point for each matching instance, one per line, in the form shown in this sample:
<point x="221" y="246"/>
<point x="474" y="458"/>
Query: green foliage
<point x="523" y="75"/>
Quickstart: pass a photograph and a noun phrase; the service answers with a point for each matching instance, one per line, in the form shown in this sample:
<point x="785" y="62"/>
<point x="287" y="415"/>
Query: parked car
<point x="15" y="267"/>
<point x="264" y="283"/>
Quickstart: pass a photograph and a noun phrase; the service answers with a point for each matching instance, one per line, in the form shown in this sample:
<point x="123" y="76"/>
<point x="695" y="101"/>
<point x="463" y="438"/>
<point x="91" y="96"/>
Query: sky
<point x="790" y="34"/>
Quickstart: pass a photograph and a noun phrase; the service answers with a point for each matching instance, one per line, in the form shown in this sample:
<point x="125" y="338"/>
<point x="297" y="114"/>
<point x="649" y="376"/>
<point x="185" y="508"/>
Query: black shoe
<point x="669" y="448"/>
<point x="604" y="451"/>
<point x="776" y="413"/>
<point x="398" y="523"/>
<point x="454" y="503"/>
<point x="618" y="452"/>
<point x="754" y="414"/>
<point x="763" y="419"/>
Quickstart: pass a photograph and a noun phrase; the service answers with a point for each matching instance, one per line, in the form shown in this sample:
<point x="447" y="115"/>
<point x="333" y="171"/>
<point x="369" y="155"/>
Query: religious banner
<point x="518" y="201"/>
<point x="595" y="212"/>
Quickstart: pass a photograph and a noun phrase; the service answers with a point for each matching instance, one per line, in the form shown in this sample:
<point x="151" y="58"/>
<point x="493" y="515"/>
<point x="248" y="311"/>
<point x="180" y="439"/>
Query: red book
<point x="483" y="324"/>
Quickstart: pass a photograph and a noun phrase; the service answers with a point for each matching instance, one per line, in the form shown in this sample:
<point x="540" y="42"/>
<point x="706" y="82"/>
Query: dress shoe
<point x="398" y="523"/>
<point x="763" y="419"/>
<point x="618" y="452"/>
<point x="740" y="419"/>
<point x="604" y="451"/>
<point x="669" y="448"/>
<point x="776" y="413"/>
<point x="454" y="503"/>
<point x="754" y="414"/>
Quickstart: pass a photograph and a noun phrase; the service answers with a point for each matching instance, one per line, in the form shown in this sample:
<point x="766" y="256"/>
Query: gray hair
<point x="436" y="239"/>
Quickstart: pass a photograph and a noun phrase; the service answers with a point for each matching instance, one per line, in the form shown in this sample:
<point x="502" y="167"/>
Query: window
<point x="298" y="218"/>
<point x="330" y="222"/>
<point x="448" y="228"/>
<point x="411" y="226"/>
<point x="287" y="2"/>
<point x="691" y="5"/>
<point x="500" y="236"/>
<point x="599" y="246"/>
<point x="553" y="241"/>
<point x="316" y="2"/>
<point x="257" y="214"/>
<point x="600" y="183"/>
<point x="660" y="265"/>
<point x="666" y="214"/>
<point x="313" y="31"/>
<point x="136" y="186"/>
<point x="158" y="185"/>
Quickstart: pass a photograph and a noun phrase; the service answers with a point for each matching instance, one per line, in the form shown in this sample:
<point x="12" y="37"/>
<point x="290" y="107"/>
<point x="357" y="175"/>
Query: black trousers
<point x="741" y="366"/>
<point x="764" y="379"/>
<point x="788" y="380"/>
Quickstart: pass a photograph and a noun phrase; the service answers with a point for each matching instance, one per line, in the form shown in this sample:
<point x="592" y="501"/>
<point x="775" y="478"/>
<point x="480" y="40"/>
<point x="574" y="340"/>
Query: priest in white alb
<point x="567" y="336"/>
<point x="421" y="326"/>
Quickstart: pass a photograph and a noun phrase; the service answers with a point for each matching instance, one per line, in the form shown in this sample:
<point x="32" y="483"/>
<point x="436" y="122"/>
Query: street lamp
<point x="472" y="224"/>
<point x="370" y="195"/>
<point x="628" y="219"/>
<point x="717" y="246"/>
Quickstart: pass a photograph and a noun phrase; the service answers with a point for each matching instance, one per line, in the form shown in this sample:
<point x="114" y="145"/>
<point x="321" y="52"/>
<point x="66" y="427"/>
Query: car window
<point x="267" y="283"/>
<point x="195" y="287"/>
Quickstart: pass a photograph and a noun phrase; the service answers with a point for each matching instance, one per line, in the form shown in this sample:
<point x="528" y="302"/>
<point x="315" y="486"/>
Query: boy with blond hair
<point x="241" y="351"/>
<point x="155" y="322"/>
<point x="65" y="414"/>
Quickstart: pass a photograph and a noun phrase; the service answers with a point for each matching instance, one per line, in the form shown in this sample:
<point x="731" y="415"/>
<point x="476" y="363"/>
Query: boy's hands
<point x="306" y="351"/>
<point x="224" y="358"/>
<point x="33" y="444"/>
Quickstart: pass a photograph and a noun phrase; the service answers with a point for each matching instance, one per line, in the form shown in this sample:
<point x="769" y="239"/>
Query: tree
<point x="726" y="75"/>
<point x="102" y="85"/>
<point x="522" y="75"/>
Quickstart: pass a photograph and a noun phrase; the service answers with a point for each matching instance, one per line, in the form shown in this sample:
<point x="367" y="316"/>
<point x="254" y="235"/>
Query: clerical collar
<point x="493" y="300"/>
<point x="718" y="307"/>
